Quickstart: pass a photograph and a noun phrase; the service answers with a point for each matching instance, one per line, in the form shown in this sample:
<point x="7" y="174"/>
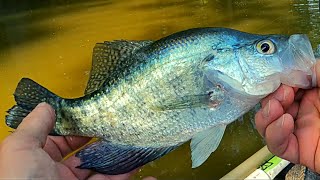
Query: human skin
<point x="289" y="120"/>
<point x="29" y="153"/>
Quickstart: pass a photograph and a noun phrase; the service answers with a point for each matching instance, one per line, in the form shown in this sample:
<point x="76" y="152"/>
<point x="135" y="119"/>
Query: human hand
<point x="289" y="120"/>
<point x="30" y="153"/>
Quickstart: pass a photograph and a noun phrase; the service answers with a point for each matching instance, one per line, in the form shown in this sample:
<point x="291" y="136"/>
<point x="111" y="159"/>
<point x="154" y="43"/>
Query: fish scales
<point x="144" y="121"/>
<point x="141" y="124"/>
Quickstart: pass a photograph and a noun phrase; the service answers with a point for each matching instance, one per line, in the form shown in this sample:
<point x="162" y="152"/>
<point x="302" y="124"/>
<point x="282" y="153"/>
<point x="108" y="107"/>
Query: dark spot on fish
<point x="151" y="113"/>
<point x="210" y="93"/>
<point x="209" y="59"/>
<point x="83" y="111"/>
<point x="103" y="128"/>
<point x="101" y="116"/>
<point x="63" y="114"/>
<point x="107" y="136"/>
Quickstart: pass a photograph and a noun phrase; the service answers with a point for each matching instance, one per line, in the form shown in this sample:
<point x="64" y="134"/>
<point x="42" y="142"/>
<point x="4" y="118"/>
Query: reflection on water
<point x="308" y="17"/>
<point x="51" y="42"/>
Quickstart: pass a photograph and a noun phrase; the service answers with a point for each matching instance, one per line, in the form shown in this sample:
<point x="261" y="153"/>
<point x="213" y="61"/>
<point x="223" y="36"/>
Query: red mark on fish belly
<point x="214" y="104"/>
<point x="215" y="96"/>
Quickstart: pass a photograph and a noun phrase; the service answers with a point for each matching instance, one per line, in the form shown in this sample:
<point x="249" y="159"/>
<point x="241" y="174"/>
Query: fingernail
<point x="280" y="123"/>
<point x="41" y="104"/>
<point x="50" y="110"/>
<point x="285" y="94"/>
<point x="265" y="110"/>
<point x="314" y="77"/>
<point x="282" y="97"/>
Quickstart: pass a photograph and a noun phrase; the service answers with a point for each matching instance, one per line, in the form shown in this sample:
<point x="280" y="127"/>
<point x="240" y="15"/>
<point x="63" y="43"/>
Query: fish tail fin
<point x="28" y="95"/>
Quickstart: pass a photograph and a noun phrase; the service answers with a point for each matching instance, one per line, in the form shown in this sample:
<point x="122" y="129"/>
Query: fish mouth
<point x="297" y="61"/>
<point x="296" y="78"/>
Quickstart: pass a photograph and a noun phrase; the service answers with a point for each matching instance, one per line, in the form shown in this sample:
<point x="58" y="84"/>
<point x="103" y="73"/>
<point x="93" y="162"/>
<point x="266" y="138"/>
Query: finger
<point x="72" y="162"/>
<point x="316" y="70"/>
<point x="60" y="146"/>
<point x="126" y="176"/>
<point x="265" y="116"/>
<point x="284" y="94"/>
<point x="299" y="94"/>
<point x="280" y="138"/>
<point x="309" y="104"/>
<point x="317" y="158"/>
<point x="308" y="133"/>
<point x="37" y="125"/>
<point x="295" y="89"/>
<point x="293" y="110"/>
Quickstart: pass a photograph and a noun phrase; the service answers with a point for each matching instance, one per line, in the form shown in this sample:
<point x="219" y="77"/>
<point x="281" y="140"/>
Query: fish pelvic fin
<point x="113" y="159"/>
<point x="28" y="95"/>
<point x="204" y="143"/>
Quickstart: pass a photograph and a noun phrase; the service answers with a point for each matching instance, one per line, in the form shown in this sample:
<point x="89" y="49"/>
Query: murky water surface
<point x="51" y="42"/>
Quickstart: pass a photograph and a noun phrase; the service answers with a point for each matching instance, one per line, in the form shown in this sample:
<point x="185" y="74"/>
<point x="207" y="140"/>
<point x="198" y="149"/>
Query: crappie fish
<point x="146" y="98"/>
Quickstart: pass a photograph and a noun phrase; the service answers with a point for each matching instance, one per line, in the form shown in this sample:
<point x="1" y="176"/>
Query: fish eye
<point x="266" y="47"/>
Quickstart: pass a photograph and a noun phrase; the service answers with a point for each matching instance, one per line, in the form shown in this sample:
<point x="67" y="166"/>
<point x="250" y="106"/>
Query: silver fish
<point x="145" y="98"/>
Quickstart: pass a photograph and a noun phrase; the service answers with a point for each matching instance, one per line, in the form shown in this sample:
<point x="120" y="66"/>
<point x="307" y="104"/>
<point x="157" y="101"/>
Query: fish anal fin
<point x="107" y="57"/>
<point x="204" y="143"/>
<point x="107" y="158"/>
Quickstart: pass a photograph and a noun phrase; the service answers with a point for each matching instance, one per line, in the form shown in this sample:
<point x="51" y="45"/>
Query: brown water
<point x="51" y="42"/>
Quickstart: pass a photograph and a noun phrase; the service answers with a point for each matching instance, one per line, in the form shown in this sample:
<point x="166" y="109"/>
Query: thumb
<point x="38" y="124"/>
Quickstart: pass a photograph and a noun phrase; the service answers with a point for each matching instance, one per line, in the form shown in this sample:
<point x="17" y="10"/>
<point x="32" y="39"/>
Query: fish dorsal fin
<point x="108" y="56"/>
<point x="204" y="143"/>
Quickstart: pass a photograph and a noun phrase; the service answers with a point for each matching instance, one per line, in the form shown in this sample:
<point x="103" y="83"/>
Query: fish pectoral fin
<point x="107" y="158"/>
<point x="204" y="143"/>
<point x="109" y="56"/>
<point x="211" y="99"/>
<point x="184" y="102"/>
